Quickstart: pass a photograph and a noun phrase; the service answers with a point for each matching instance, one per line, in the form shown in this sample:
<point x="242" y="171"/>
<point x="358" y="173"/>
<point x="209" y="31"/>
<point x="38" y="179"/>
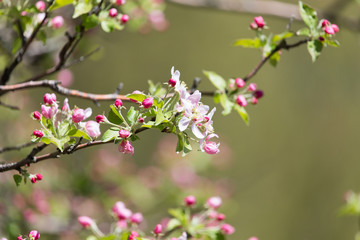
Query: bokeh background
<point x="282" y="177"/>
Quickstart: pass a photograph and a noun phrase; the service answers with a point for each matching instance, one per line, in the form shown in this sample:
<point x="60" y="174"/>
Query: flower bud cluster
<point x="245" y="94"/>
<point x="329" y="28"/>
<point x="258" y="23"/>
<point x="36" y="177"/>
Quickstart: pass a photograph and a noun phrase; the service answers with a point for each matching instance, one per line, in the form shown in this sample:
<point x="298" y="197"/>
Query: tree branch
<point x="18" y="147"/>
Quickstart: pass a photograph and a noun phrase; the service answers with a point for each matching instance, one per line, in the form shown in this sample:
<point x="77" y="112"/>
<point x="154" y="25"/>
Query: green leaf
<point x="282" y="36"/>
<point x="78" y="133"/>
<point x="110" y="24"/>
<point x="64" y="128"/>
<point x="109" y="135"/>
<point x="243" y="114"/>
<point x="156" y="89"/>
<point x="308" y="15"/>
<point x="172" y="224"/>
<point x="216" y="80"/>
<point x="60" y="3"/>
<point x="314" y="48"/>
<point x="180" y="143"/>
<point x="90" y="21"/>
<point x="45" y="140"/>
<point x="82" y="7"/>
<point x="159" y="117"/>
<point x="16" y="45"/>
<point x="109" y="237"/>
<point x="274" y="59"/>
<point x="132" y="115"/>
<point x="303" y="32"/>
<point x="187" y="147"/>
<point x="137" y="97"/>
<point x="217" y="97"/>
<point x="17" y="179"/>
<point x="333" y="43"/>
<point x="248" y="43"/>
<point x="42" y="37"/>
<point x="226" y="104"/>
<point x="114" y="116"/>
<point x="171" y="103"/>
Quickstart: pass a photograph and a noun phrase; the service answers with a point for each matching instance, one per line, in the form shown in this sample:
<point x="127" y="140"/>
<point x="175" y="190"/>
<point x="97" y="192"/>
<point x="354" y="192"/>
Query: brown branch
<point x="9" y="106"/>
<point x="18" y="147"/>
<point x="55" y="86"/>
<point x="282" y="45"/>
<point x="31" y="158"/>
<point x="20" y="54"/>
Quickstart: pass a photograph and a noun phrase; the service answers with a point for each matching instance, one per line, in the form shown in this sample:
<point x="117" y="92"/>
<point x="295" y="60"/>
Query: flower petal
<point x="183" y="123"/>
<point x="197" y="132"/>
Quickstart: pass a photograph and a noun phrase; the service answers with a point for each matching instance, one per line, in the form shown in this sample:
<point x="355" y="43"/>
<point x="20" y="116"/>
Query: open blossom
<point x="34" y="235"/>
<point x="93" y="129"/>
<point x="121" y="211"/>
<point x="175" y="77"/>
<point x="85" y="221"/>
<point x="57" y="22"/>
<point x="81" y="114"/>
<point x="136" y="218"/>
<point x="65" y="107"/>
<point x="49" y="111"/>
<point x="126" y="147"/>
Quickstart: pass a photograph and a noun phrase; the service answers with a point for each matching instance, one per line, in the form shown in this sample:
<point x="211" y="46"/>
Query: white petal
<point x="210" y="115"/>
<point x="197" y="132"/>
<point x="195" y="97"/>
<point x="88" y="113"/>
<point x="203" y="109"/>
<point x="211" y="136"/>
<point x="183" y="123"/>
<point x="176" y="75"/>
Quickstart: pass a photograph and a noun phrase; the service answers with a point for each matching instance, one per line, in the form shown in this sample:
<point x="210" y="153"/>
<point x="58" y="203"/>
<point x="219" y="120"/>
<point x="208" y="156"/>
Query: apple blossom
<point x="37" y="115"/>
<point x="65" y="107"/>
<point x="120" y="2"/>
<point x="240" y="83"/>
<point x="208" y="146"/>
<point x="258" y="94"/>
<point x="158" y="229"/>
<point x="113" y="12"/>
<point x="124" y="18"/>
<point x="220" y="217"/>
<point x="133" y="235"/>
<point x="49" y="111"/>
<point x="214" y="202"/>
<point x="148" y="102"/>
<point x="135" y="92"/>
<point x="40" y="5"/>
<point x="136" y="218"/>
<point x="227" y="229"/>
<point x="93" y="129"/>
<point x="78" y="115"/>
<point x="335" y="27"/>
<point x="190" y="200"/>
<point x="38" y="133"/>
<point x="49" y="98"/>
<point x="100" y="118"/>
<point x="241" y="100"/>
<point x="329" y="30"/>
<point x="252" y="87"/>
<point x="57" y="22"/>
<point x="39" y="176"/>
<point x="118" y="103"/>
<point x="324" y="23"/>
<point x="126" y="147"/>
<point x="85" y="221"/>
<point x="33" y="179"/>
<point x="259" y="21"/>
<point x="123" y="133"/>
<point x="34" y="235"/>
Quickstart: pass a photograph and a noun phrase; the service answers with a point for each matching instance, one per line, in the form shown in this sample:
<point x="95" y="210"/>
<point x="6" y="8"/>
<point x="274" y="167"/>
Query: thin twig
<point x="55" y="86"/>
<point x="21" y="32"/>
<point x="9" y="106"/>
<point x="31" y="158"/>
<point x="18" y="147"/>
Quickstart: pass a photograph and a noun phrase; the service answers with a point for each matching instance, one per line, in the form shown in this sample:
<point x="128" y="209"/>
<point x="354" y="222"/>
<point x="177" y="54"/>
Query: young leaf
<point x="303" y="32"/>
<point x="136" y="97"/>
<point x="216" y="80"/>
<point x="114" y="116"/>
<point x="82" y="7"/>
<point x="308" y="15"/>
<point x="314" y="48"/>
<point x="274" y="59"/>
<point x="78" y="133"/>
<point x="60" y="3"/>
<point x="17" y="179"/>
<point x="226" y="104"/>
<point x="282" y="36"/>
<point x="243" y="114"/>
<point x="132" y="115"/>
<point x="109" y="135"/>
<point x="248" y="43"/>
<point x="187" y="147"/>
<point x="159" y="117"/>
<point x="180" y="144"/>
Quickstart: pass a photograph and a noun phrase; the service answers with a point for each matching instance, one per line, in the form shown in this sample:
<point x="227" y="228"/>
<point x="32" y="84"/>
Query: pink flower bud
<point x="214" y="202"/>
<point x="19" y="238"/>
<point x="33" y="179"/>
<point x="113" y="12"/>
<point x="23" y="13"/>
<point x="49" y="98"/>
<point x="40" y="5"/>
<point x="220" y="217"/>
<point x="136" y="218"/>
<point x="227" y="229"/>
<point x="325" y="23"/>
<point x="241" y="100"/>
<point x="133" y="235"/>
<point x="211" y="147"/>
<point x="158" y="229"/>
<point x="254" y="100"/>
<point x="126" y="147"/>
<point x="172" y="82"/>
<point x="329" y="30"/>
<point x="190" y="200"/>
<point x="34" y="235"/>
<point x="252" y="87"/>
<point x="120" y="2"/>
<point x="124" y="18"/>
<point x="148" y="102"/>
<point x="57" y="22"/>
<point x="49" y="111"/>
<point x="37" y="115"/>
<point x="39" y="177"/>
<point x="253" y="26"/>
<point x="240" y="83"/>
<point x="335" y="27"/>
<point x="121" y="211"/>
<point x="141" y="120"/>
<point x="258" y="94"/>
<point x="65" y="107"/>
<point x="321" y="39"/>
<point x="259" y="21"/>
<point x="253" y="238"/>
<point x="38" y="133"/>
<point x="100" y="118"/>
<point x="92" y="129"/>
<point x="118" y="103"/>
<point x="124" y="133"/>
<point x="85" y="221"/>
<point x="78" y="115"/>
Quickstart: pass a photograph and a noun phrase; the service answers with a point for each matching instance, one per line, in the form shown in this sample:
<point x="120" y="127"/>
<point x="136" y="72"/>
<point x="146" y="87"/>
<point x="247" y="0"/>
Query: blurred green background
<point x="289" y="168"/>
